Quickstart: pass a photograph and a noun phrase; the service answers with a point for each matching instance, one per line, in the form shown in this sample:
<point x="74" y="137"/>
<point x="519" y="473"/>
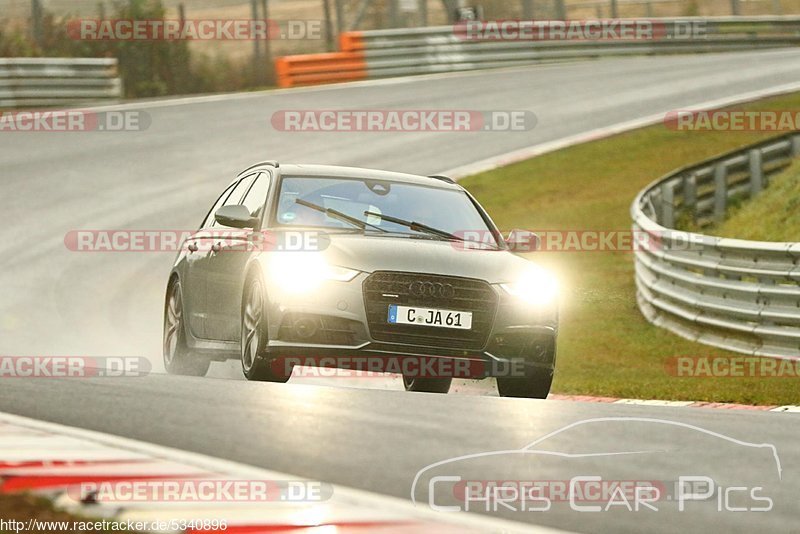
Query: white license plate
<point x="430" y="317"/>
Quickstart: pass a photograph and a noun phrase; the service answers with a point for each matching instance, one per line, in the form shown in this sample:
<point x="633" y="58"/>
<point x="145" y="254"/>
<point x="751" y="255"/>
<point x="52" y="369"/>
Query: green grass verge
<point x="773" y="215"/>
<point x="606" y="347"/>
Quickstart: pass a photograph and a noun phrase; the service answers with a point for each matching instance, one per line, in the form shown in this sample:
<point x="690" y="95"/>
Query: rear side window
<point x="236" y="195"/>
<point x="217" y="205"/>
<point x="239" y="191"/>
<point x="257" y="196"/>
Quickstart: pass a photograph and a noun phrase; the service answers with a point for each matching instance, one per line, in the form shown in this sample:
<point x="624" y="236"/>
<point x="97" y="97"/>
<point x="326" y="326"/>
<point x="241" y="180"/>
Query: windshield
<point x="380" y="206"/>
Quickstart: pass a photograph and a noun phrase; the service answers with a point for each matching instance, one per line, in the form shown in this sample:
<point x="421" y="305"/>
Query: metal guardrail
<point x="734" y="294"/>
<point x="32" y="82"/>
<point x="409" y="51"/>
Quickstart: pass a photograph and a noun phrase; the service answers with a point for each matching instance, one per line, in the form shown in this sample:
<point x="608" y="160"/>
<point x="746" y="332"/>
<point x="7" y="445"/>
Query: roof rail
<point x="271" y="163"/>
<point x="443" y="178"/>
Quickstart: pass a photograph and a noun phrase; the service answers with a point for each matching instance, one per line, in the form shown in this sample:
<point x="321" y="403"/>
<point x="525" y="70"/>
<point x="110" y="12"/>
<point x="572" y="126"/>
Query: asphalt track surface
<point x="57" y="302"/>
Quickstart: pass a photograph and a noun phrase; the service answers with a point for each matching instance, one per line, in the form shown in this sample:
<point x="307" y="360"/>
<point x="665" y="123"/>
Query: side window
<point x="236" y="195"/>
<point x="217" y="205"/>
<point x="257" y="196"/>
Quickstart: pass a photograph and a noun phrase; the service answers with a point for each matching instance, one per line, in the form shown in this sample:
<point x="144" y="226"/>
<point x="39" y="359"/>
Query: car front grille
<point x="383" y="288"/>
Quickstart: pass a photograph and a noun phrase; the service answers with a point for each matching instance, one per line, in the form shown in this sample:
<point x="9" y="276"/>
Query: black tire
<point x="534" y="385"/>
<point x="427" y="385"/>
<point x="178" y="359"/>
<point x="255" y="336"/>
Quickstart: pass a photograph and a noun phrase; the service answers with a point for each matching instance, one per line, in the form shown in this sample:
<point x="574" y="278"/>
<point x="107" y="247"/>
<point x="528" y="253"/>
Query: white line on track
<point x="516" y="156"/>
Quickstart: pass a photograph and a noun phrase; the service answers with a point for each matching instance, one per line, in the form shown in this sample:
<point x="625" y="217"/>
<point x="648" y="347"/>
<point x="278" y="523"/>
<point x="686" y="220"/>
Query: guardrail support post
<point x="326" y="9"/>
<point x="690" y="194"/>
<point x="796" y="146"/>
<point x="258" y="64"/>
<point x="667" y="205"/>
<point x="756" y="173"/>
<point x="561" y="10"/>
<point x="720" y="191"/>
<point x="393" y="19"/>
<point x="339" y="9"/>
<point x="36" y="16"/>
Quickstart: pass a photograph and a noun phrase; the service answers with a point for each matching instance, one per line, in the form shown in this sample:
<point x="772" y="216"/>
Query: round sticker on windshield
<point x="289" y="216"/>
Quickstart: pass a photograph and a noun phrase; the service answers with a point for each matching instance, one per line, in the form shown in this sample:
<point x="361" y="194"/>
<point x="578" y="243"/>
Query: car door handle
<point x="217" y="247"/>
<point x="193" y="247"/>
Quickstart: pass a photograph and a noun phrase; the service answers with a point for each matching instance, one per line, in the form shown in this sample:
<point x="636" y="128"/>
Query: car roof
<point x="336" y="171"/>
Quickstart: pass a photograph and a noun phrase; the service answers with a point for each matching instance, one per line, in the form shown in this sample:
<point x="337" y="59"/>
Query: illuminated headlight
<point x="536" y="286"/>
<point x="299" y="272"/>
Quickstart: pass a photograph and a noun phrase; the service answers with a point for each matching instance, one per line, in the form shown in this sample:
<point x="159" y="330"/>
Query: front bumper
<point x="331" y="328"/>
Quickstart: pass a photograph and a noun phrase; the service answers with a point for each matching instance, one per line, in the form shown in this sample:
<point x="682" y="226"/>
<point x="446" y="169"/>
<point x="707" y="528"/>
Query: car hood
<point x="376" y="253"/>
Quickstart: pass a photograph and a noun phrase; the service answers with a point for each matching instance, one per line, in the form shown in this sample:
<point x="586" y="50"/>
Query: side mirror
<point x="523" y="241"/>
<point x="236" y="216"/>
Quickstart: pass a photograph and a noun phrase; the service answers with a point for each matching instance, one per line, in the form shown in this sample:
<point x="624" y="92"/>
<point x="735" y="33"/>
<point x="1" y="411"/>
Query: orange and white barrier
<point x="311" y="69"/>
<point x="491" y="44"/>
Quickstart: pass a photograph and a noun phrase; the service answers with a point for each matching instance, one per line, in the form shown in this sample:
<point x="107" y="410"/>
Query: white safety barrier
<point x="408" y="51"/>
<point x="730" y="293"/>
<point x="33" y="82"/>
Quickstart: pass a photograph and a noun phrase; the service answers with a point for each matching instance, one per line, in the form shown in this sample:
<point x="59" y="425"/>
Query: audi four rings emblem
<point x="431" y="289"/>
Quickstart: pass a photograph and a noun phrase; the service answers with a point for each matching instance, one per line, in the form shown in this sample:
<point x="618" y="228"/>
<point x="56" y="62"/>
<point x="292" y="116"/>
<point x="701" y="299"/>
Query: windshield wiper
<point x="336" y="214"/>
<point x="418" y="227"/>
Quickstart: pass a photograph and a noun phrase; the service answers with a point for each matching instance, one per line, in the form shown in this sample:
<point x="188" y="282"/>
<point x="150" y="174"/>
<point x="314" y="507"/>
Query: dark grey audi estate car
<point x="361" y="269"/>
